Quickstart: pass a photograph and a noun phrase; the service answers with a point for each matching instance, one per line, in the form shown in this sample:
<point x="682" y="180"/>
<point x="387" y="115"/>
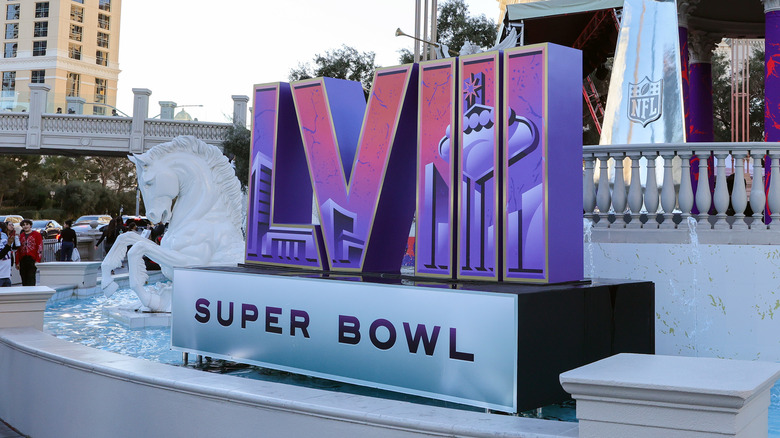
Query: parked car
<point x="84" y="223"/>
<point x="140" y="221"/>
<point x="102" y="219"/>
<point x="48" y="228"/>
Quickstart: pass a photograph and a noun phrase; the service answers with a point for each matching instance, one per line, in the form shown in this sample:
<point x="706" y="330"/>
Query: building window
<point x="74" y="82"/>
<point x="77" y="13"/>
<point x="12" y="12"/>
<point x="39" y="48"/>
<point x="79" y="1"/>
<point x="100" y="90"/>
<point x="10" y="50"/>
<point x="102" y="40"/>
<point x="11" y="31"/>
<point x="105" y="5"/>
<point x="104" y="21"/>
<point x="9" y="83"/>
<point x="101" y="58"/>
<point x="75" y="32"/>
<point x="42" y="10"/>
<point x="41" y="29"/>
<point x="74" y="51"/>
<point x="98" y="110"/>
<point x="38" y="76"/>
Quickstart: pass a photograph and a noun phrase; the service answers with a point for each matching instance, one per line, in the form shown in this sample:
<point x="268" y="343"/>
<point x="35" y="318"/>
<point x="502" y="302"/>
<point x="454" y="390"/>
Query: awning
<point x="524" y="11"/>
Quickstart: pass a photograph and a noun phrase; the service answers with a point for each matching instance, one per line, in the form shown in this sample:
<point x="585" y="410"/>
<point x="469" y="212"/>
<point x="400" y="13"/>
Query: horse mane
<point x="223" y="173"/>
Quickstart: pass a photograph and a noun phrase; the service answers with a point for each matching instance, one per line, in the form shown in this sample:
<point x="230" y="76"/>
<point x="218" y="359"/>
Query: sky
<point x="201" y="52"/>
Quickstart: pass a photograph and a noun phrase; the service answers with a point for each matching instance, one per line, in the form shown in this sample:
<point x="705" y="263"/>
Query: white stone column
<point x="738" y="192"/>
<point x="757" y="195"/>
<point x="140" y="114"/>
<point x="637" y="396"/>
<point x="619" y="194"/>
<point x="603" y="197"/>
<point x="240" y="104"/>
<point x="667" y="192"/>
<point x="721" y="192"/>
<point x="588" y="188"/>
<point x="167" y="109"/>
<point x="686" y="190"/>
<point x="635" y="192"/>
<point x="703" y="197"/>
<point x="38" y="96"/>
<point x="651" y="192"/>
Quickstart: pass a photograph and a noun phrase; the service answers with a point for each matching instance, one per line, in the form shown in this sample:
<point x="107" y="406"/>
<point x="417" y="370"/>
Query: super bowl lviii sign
<point x="488" y="145"/>
<point x="485" y="151"/>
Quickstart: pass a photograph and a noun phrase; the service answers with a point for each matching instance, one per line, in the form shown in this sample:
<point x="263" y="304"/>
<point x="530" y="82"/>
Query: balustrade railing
<point x="13" y="122"/>
<point x="639" y="200"/>
<point x="205" y="131"/>
<point x="69" y="123"/>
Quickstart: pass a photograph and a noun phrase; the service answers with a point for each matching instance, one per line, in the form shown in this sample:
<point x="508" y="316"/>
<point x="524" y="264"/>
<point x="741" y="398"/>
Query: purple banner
<point x="436" y="161"/>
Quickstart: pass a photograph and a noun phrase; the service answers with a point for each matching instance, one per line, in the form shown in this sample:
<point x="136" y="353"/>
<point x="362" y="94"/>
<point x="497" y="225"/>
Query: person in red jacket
<point x="29" y="252"/>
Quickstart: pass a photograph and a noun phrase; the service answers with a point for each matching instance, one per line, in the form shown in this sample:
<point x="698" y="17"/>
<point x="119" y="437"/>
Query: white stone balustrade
<point x="40" y="132"/>
<point x="608" y="199"/>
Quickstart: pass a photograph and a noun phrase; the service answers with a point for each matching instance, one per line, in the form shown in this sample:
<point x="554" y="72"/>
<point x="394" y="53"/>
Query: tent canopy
<point x="729" y="18"/>
<point x="524" y="11"/>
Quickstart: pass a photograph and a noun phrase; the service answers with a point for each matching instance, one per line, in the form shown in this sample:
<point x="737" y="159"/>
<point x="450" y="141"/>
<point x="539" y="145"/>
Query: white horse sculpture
<point x="205" y="224"/>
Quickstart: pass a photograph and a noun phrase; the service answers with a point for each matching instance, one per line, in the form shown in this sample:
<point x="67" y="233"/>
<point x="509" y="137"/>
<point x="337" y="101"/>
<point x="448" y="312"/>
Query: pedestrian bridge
<point x="36" y="132"/>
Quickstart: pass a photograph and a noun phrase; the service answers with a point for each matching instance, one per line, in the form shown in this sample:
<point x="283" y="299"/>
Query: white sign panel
<point x="440" y="343"/>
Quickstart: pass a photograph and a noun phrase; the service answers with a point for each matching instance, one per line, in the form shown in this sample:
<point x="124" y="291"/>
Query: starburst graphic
<point x="473" y="88"/>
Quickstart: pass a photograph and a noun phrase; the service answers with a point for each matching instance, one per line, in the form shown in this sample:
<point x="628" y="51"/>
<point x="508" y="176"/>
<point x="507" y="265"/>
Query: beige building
<point x="70" y="45"/>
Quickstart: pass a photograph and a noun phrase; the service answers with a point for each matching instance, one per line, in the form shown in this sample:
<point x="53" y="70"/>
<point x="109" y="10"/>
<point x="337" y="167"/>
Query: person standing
<point x="110" y="233"/>
<point x="69" y="241"/>
<point x="5" y="259"/>
<point x="29" y="252"/>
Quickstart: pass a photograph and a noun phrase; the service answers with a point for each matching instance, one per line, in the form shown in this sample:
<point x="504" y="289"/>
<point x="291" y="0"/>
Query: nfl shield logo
<point x="644" y="101"/>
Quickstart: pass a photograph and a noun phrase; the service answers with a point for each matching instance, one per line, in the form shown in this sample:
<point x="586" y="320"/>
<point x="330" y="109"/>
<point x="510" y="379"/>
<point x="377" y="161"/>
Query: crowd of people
<point x="25" y="248"/>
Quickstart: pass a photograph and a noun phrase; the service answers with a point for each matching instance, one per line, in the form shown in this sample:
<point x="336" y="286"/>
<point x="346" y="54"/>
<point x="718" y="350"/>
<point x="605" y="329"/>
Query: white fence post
<point x="140" y="113"/>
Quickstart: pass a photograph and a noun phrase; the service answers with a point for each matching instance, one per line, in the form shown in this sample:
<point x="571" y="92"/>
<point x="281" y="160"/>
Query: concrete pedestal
<point x="23" y="306"/>
<point x="668" y="396"/>
<point x="82" y="275"/>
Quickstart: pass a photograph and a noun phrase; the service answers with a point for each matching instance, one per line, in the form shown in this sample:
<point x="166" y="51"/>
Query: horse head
<point x="159" y="186"/>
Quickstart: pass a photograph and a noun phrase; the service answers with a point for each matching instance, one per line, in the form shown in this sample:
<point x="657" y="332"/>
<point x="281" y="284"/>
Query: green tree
<point x="342" y="63"/>
<point x="455" y="25"/>
<point x="236" y="146"/>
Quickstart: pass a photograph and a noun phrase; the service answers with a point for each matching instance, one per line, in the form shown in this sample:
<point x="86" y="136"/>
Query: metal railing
<point x="50" y="248"/>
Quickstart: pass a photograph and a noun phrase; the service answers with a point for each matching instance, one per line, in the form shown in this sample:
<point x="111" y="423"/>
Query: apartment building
<point x="70" y="45"/>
